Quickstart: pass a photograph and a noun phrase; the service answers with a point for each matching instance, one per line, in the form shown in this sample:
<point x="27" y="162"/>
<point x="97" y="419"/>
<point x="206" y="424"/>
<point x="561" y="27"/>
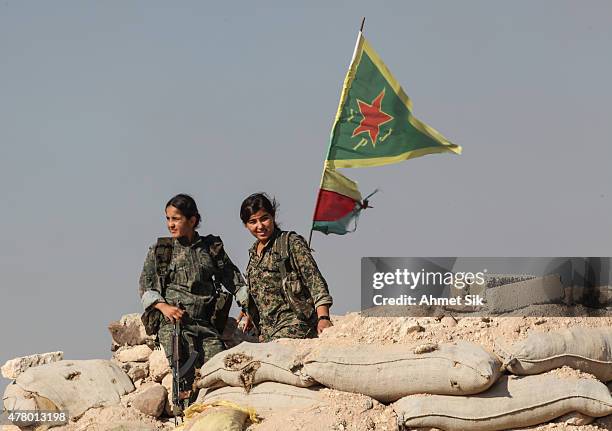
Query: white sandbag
<point x="248" y="364"/>
<point x="513" y="402"/>
<point x="76" y="386"/>
<point x="16" y="399"/>
<point x="585" y="349"/>
<point x="266" y="398"/>
<point x="388" y="373"/>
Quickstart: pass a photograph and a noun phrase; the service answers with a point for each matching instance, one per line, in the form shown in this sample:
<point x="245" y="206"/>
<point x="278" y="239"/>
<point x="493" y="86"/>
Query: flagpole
<point x="329" y="150"/>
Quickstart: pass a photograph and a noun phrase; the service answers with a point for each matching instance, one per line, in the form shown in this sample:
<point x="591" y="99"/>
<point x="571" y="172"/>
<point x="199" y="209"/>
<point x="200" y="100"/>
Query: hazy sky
<point x="107" y="109"/>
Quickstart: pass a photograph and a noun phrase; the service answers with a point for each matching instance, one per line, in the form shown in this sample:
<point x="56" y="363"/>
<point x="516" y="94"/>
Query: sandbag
<point x="584" y="349"/>
<point x="217" y="416"/>
<point x="388" y="373"/>
<point x="513" y="402"/>
<point x="76" y="386"/>
<point x="251" y="363"/>
<point x="16" y="399"/>
<point x="218" y="419"/>
<point x="266" y="398"/>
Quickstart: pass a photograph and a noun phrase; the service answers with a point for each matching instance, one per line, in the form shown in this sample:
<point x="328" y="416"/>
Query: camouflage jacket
<point x="265" y="283"/>
<point x="192" y="273"/>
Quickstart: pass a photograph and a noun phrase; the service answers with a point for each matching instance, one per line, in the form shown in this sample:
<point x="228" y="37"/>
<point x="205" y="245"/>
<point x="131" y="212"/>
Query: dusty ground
<point x="489" y="332"/>
<point x="345" y="412"/>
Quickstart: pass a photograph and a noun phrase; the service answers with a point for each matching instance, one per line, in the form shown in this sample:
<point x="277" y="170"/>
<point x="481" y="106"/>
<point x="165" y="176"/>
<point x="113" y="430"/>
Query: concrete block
<point x="510" y="297"/>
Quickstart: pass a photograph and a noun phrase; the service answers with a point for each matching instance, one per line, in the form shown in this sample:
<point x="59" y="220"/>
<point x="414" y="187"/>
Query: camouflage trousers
<point x="197" y="335"/>
<point x="301" y="330"/>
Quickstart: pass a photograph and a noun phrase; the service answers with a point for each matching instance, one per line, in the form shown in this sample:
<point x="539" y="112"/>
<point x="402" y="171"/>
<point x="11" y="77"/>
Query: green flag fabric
<point x="374" y="124"/>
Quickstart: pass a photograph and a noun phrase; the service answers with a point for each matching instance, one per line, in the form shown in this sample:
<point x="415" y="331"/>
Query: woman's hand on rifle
<point x="170" y="312"/>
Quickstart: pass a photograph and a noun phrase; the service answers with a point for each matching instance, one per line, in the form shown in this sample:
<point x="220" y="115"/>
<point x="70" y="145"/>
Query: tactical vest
<point x="216" y="307"/>
<point x="294" y="288"/>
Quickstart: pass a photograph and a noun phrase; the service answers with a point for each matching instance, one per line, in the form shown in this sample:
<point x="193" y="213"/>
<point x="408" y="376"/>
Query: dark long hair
<point x="187" y="206"/>
<point x="255" y="202"/>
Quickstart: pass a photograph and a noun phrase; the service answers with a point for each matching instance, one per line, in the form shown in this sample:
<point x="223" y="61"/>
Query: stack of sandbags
<point x="534" y="398"/>
<point x="450" y="386"/>
<point x="267" y="377"/>
<point x="513" y="402"/>
<point x="276" y="377"/>
<point x="584" y="349"/>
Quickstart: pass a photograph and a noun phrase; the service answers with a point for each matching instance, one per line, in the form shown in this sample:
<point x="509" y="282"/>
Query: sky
<point x="108" y="109"/>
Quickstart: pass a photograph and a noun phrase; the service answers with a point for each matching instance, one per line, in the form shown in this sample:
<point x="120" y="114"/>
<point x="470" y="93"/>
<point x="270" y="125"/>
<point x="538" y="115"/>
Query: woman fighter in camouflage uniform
<point x="186" y="287"/>
<point x="288" y="295"/>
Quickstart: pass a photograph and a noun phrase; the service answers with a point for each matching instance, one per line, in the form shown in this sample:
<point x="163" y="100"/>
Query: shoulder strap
<point x="214" y="247"/>
<point x="281" y="246"/>
<point x="163" y="256"/>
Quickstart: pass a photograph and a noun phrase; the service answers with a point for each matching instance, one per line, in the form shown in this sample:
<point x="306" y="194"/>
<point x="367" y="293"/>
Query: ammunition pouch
<point x="208" y="304"/>
<point x="199" y="307"/>
<point x="297" y="296"/>
<point x="296" y="293"/>
<point x="214" y="309"/>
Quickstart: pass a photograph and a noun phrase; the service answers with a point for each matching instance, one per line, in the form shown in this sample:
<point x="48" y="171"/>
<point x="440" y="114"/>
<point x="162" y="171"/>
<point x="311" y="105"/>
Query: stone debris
<point x="138" y="353"/>
<point x="129" y="331"/>
<point x="137" y="371"/>
<point x="13" y="367"/>
<point x="167" y="383"/>
<point x="425" y="348"/>
<point x="150" y="399"/>
<point x="448" y="321"/>
<point x="158" y="365"/>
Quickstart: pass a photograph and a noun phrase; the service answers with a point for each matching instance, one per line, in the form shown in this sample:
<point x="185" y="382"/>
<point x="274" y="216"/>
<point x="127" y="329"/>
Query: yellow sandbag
<point x="216" y="416"/>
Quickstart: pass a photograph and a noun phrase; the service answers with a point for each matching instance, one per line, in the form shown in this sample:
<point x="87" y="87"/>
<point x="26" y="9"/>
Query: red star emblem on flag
<point x="373" y="117"/>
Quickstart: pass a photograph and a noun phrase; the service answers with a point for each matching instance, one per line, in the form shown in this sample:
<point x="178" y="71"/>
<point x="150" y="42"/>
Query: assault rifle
<point x="178" y="371"/>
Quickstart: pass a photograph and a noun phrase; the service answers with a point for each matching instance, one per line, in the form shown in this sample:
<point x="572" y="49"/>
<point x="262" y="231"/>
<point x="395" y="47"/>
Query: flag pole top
<point x="362" y="24"/>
